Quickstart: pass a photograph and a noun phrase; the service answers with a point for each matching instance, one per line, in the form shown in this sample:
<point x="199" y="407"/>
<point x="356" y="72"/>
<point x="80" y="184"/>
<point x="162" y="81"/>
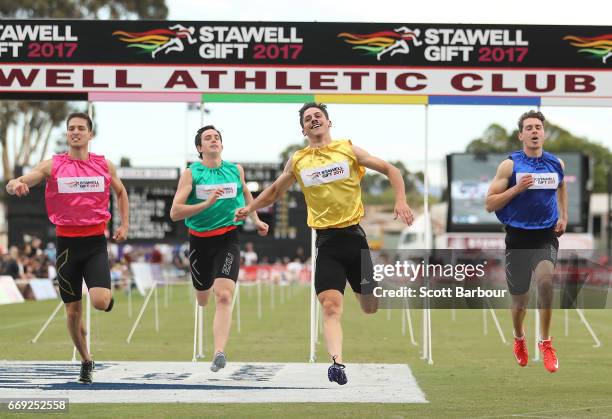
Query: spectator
<point x="31" y="266"/>
<point x="249" y="255"/>
<point x="300" y="254"/>
<point x="51" y="272"/>
<point x="36" y="247"/>
<point x="128" y="256"/>
<point x="156" y="255"/>
<point x="9" y="263"/>
<point x="120" y="275"/>
<point x="293" y="270"/>
<point x="113" y="253"/>
<point x="28" y="251"/>
<point x="51" y="252"/>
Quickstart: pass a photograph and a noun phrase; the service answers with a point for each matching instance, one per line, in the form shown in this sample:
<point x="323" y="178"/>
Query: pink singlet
<point x="78" y="192"/>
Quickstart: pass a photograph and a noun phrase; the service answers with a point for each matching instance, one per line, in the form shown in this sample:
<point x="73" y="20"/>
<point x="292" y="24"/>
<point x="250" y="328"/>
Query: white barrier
<point x="9" y="293"/>
<point x="42" y="289"/>
<point x="313" y="300"/>
<point x="143" y="276"/>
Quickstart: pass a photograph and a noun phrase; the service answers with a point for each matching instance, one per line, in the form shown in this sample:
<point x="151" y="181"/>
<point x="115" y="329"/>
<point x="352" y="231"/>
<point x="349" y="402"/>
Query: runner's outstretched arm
<point x="21" y="185"/>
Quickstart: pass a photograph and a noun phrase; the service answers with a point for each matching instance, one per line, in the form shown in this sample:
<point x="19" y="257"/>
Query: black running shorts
<point x="78" y="259"/>
<point x="524" y="250"/>
<point x="343" y="254"/>
<point x="213" y="257"/>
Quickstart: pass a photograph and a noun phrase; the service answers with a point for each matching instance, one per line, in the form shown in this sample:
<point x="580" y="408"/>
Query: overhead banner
<point x="140" y="57"/>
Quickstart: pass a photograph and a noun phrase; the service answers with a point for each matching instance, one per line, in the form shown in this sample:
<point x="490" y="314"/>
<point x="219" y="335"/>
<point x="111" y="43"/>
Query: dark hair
<point x="320" y="106"/>
<point x="81" y="115"/>
<point x="198" y="136"/>
<point x="530" y="114"/>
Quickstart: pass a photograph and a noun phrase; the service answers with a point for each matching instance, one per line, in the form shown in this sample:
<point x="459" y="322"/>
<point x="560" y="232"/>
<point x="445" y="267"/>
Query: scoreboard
<point x="286" y="217"/>
<point x="150" y="192"/>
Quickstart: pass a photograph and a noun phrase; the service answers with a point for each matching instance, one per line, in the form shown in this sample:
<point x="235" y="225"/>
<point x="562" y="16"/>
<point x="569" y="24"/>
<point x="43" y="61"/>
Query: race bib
<point x="80" y="184"/>
<point x="230" y="190"/>
<point x="541" y="180"/>
<point x="325" y="174"/>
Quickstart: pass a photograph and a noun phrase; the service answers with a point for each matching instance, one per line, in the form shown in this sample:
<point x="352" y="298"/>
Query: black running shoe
<point x="87" y="368"/>
<point x="336" y="373"/>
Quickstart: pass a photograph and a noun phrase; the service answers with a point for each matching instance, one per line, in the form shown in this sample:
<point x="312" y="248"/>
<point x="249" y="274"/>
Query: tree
<point x="496" y="139"/>
<point x="562" y="140"/>
<point x="375" y="183"/>
<point x="35" y="121"/>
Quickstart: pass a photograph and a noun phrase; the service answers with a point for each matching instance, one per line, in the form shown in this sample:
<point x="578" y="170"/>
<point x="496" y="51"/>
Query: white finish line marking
<point x="187" y="382"/>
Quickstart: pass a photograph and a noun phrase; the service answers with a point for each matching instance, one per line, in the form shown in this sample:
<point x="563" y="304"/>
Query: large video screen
<point x="469" y="177"/>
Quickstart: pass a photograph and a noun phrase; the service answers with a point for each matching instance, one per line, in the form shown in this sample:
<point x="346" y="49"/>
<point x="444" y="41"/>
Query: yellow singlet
<point x="330" y="177"/>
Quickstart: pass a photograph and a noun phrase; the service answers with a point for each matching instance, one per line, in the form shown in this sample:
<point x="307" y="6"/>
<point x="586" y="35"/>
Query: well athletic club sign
<point x="84" y="57"/>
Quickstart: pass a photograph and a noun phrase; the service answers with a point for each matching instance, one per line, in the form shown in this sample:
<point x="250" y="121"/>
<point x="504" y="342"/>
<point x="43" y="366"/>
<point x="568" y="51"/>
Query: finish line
<point x="187" y="382"/>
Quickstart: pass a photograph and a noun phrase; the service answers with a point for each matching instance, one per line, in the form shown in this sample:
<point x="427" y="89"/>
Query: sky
<point x="162" y="134"/>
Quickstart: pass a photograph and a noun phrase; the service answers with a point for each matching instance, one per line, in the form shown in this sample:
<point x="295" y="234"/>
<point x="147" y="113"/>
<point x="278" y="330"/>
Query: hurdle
<point x="152" y="291"/>
<point x="406" y="318"/>
<point x="236" y="303"/>
<point x="47" y="322"/>
<point x="197" y="334"/>
<point x="490" y="311"/>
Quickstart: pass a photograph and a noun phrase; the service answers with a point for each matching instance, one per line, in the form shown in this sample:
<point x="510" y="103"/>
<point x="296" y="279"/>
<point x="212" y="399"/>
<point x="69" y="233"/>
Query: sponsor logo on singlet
<point x="80" y="184"/>
<point x="230" y="190"/>
<point x="541" y="180"/>
<point x="325" y="174"/>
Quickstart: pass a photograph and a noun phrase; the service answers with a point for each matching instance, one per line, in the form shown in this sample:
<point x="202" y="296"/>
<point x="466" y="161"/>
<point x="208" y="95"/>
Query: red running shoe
<point x="520" y="351"/>
<point x="551" y="363"/>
